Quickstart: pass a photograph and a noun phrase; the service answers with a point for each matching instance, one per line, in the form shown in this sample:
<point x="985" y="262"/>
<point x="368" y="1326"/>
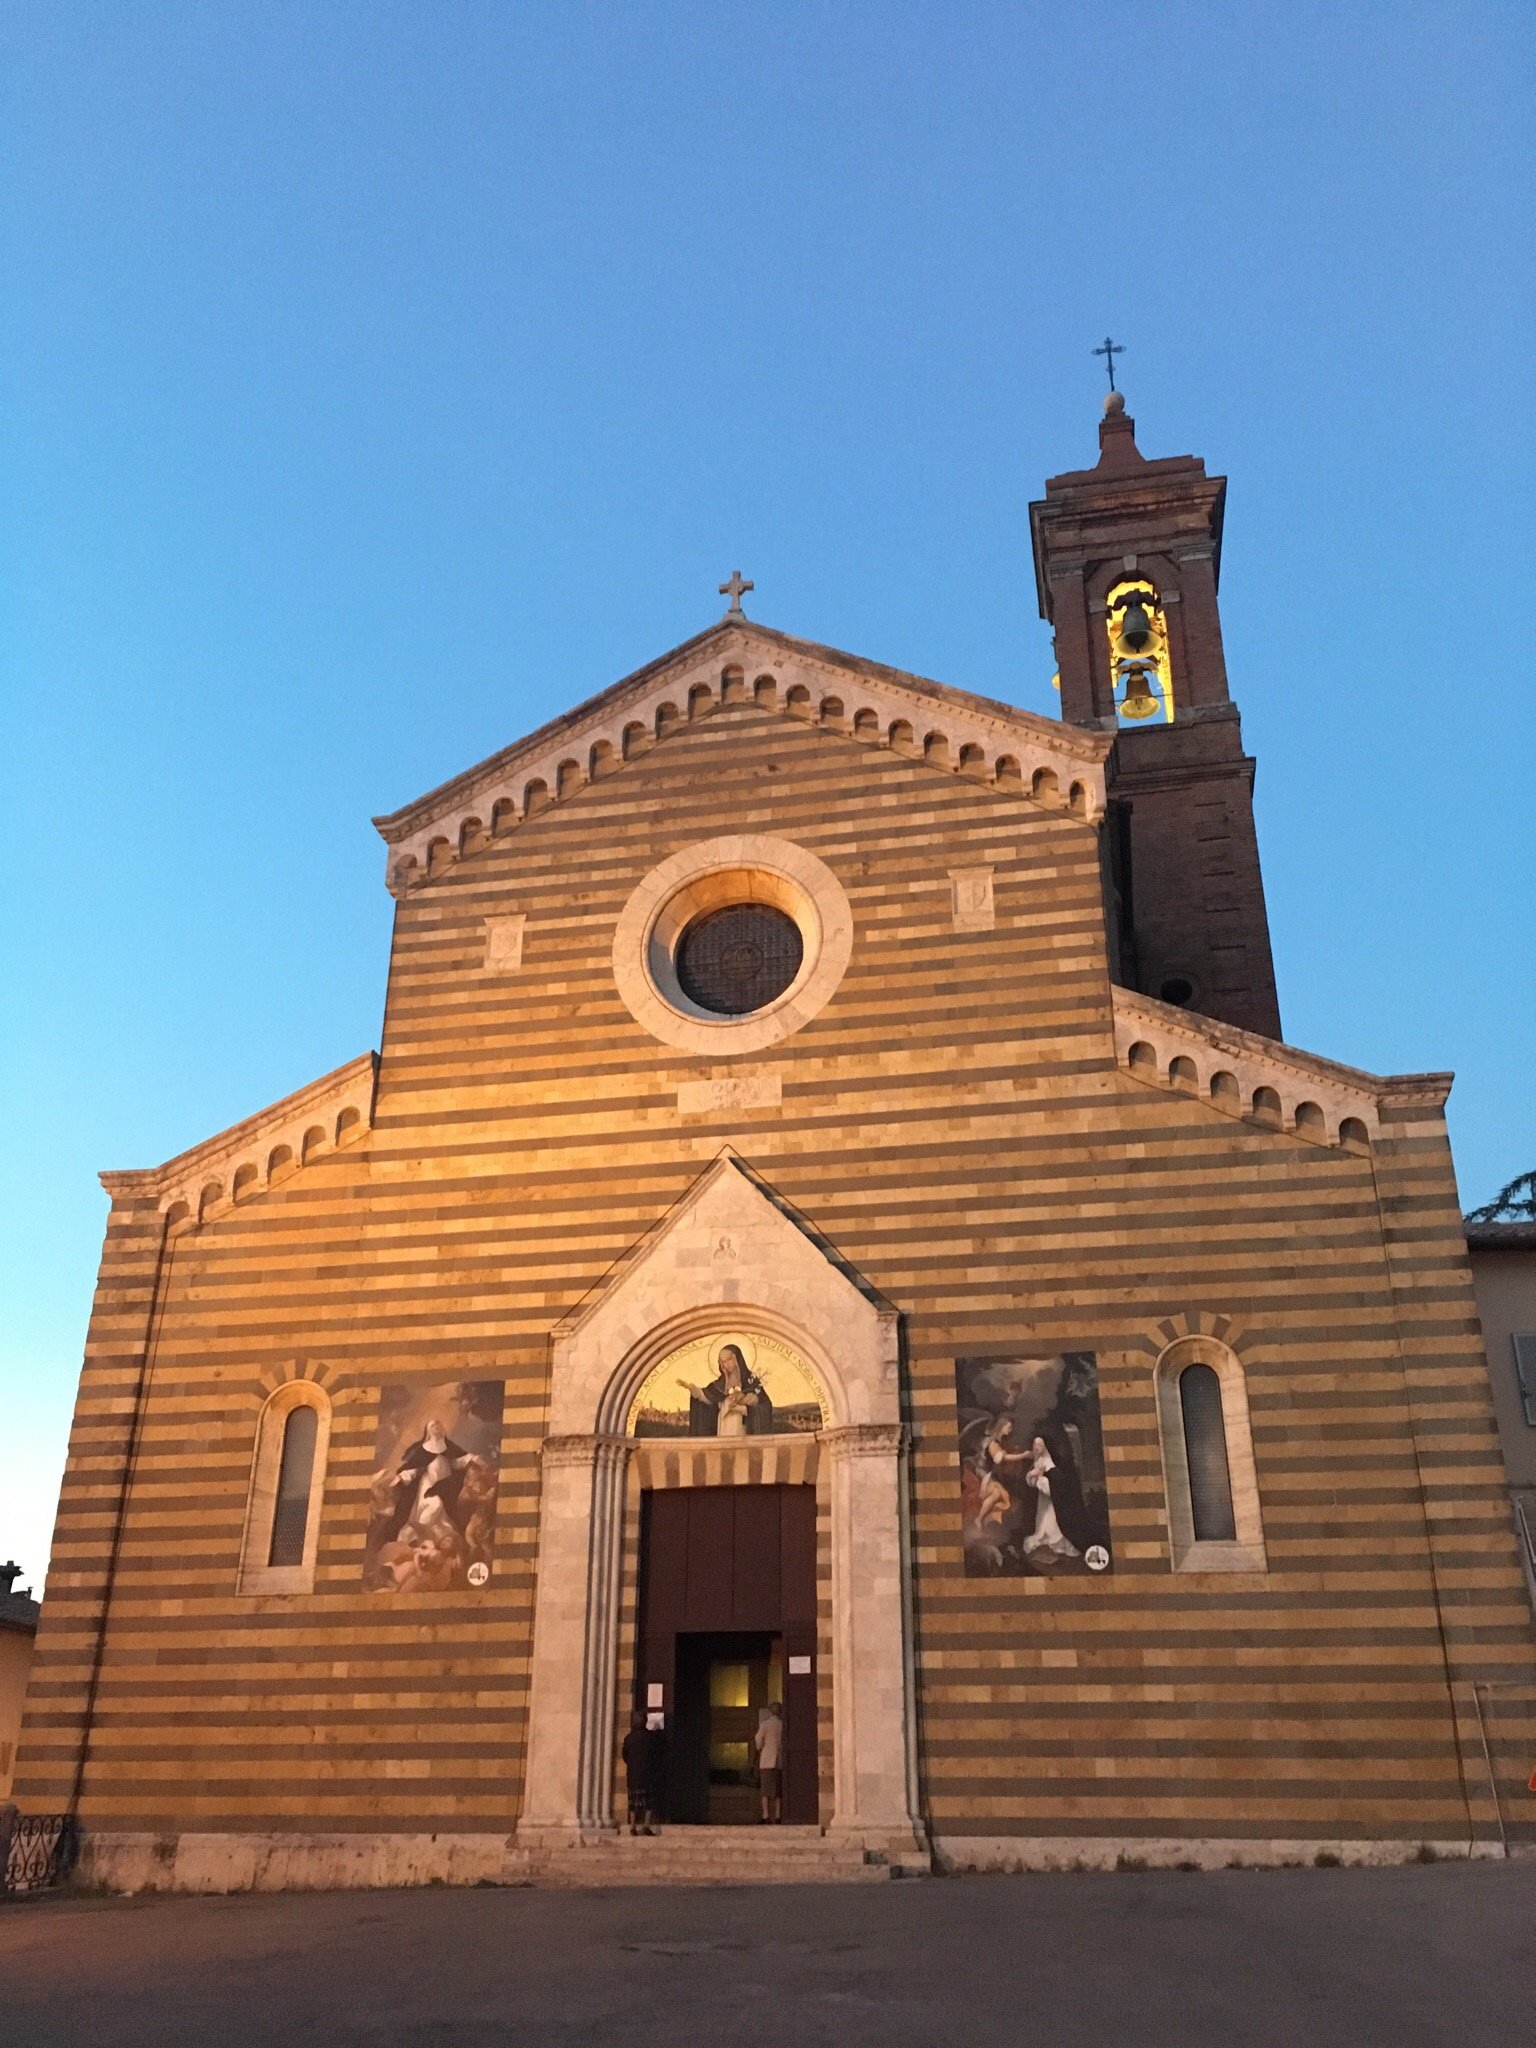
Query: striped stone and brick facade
<point x="974" y="1143"/>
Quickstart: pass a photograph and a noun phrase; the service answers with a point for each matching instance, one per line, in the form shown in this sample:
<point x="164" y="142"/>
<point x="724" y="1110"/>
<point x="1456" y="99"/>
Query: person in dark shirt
<point x="639" y="1773"/>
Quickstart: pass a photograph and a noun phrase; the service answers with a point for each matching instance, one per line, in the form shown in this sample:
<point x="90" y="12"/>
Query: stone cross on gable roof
<point x="734" y="590"/>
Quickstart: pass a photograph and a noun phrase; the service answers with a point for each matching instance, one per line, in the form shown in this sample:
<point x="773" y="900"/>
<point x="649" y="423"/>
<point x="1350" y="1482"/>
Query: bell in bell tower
<point x="1127" y="562"/>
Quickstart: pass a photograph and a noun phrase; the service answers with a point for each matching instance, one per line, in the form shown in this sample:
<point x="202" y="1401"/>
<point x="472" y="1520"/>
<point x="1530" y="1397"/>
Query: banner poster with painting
<point x="1032" y="1493"/>
<point x="432" y="1490"/>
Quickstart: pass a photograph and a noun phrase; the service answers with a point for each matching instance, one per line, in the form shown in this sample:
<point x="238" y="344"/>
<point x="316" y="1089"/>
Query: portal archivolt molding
<point x="726" y="1256"/>
<point x="725" y="1252"/>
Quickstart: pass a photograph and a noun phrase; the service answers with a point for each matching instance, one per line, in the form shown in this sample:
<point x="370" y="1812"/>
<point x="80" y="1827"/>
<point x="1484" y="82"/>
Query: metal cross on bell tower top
<point x="735" y="590"/>
<point x="1109" y="351"/>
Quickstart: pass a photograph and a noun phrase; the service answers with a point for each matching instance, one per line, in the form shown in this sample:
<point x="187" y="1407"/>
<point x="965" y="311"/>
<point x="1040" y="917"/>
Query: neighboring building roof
<point x="17" y="1610"/>
<point x="1501" y="1237"/>
<point x="1508" y="1222"/>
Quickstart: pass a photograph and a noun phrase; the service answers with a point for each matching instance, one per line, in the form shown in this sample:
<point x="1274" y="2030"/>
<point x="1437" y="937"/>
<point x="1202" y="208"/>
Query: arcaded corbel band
<point x="1020" y="753"/>
<point x="259" y="1152"/>
<point x="1245" y="1075"/>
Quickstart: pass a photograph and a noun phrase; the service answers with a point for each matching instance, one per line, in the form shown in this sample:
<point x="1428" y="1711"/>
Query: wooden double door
<point x="727" y="1624"/>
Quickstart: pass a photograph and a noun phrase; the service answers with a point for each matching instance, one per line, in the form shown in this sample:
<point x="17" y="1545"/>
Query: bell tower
<point x="1127" y="561"/>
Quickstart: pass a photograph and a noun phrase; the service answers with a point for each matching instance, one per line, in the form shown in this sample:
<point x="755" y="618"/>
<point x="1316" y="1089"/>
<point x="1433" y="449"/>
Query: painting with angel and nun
<point x="1032" y="1492"/>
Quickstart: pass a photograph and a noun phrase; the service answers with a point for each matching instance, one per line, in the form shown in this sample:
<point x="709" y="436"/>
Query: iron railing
<point x="36" y="1850"/>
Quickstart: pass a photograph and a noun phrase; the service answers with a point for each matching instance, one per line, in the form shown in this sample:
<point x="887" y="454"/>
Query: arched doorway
<point x="729" y="1547"/>
<point x="728" y="1259"/>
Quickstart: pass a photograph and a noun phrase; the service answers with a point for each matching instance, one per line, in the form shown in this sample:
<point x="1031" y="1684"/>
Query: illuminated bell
<point x="1138" y="701"/>
<point x="1135" y="628"/>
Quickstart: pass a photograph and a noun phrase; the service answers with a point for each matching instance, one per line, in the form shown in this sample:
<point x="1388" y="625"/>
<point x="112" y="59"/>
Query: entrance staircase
<point x="711" y="1855"/>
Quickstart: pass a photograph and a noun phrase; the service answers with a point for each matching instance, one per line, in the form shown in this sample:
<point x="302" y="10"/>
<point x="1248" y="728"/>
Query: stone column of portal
<point x="872" y="1722"/>
<point x="568" y="1778"/>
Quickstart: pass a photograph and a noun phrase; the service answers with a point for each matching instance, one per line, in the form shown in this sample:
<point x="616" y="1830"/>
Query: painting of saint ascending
<point x="432" y="1491"/>
<point x="1032" y="1490"/>
<point x="725" y="1385"/>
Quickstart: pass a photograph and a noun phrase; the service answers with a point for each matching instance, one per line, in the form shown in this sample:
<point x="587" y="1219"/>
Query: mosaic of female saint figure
<point x="729" y="1384"/>
<point x="1032" y="1491"/>
<point x="734" y="1403"/>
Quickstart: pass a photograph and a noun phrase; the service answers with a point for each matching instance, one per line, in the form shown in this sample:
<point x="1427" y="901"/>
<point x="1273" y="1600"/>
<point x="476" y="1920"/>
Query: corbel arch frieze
<point x="1001" y="748"/>
<point x="331" y="1114"/>
<point x="1242" y="1075"/>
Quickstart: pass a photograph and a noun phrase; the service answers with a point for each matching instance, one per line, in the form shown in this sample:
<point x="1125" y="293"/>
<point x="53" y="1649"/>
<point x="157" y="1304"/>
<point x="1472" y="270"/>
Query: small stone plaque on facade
<point x="504" y="943"/>
<point x="729" y="1095"/>
<point x="971" y="893"/>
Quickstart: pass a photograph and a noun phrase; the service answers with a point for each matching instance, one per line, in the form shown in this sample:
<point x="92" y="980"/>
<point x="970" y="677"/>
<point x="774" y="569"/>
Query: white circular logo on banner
<point x="1096" y="1557"/>
<point x="478" y="1574"/>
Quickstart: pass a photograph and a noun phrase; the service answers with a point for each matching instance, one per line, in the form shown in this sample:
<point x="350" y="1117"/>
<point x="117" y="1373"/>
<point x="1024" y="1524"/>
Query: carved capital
<point x="866" y="1440"/>
<point x="586" y="1450"/>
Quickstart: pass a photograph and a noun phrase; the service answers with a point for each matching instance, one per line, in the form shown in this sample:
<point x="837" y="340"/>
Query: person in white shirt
<point x="769" y="1744"/>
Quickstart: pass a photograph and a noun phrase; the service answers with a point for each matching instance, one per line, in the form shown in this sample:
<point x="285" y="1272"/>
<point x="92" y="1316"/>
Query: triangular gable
<point x="729" y="1248"/>
<point x="737" y="662"/>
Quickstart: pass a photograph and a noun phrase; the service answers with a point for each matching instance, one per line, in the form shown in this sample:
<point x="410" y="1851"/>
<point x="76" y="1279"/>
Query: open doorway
<point x="728" y="1625"/>
<point x="724" y="1682"/>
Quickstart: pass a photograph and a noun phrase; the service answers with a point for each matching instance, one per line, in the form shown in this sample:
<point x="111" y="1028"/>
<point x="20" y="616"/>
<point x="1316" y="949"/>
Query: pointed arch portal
<point x="728" y="1253"/>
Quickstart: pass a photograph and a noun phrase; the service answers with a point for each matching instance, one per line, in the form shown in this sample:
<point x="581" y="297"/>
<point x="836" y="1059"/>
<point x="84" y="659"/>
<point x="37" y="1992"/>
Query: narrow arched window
<point x="1212" y="1481"/>
<point x="282" y="1513"/>
<point x="1205" y="1450"/>
<point x="295" y="1480"/>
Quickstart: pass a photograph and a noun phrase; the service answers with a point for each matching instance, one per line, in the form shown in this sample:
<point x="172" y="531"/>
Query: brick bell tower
<point x="1127" y="561"/>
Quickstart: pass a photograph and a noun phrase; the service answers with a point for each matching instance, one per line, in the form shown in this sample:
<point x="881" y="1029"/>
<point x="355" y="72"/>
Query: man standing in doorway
<point x="769" y="1744"/>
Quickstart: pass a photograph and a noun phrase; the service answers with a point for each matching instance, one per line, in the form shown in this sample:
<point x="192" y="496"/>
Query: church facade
<point x="832" y="1222"/>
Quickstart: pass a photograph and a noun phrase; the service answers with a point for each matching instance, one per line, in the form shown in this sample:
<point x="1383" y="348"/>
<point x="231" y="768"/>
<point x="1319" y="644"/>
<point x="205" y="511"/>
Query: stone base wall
<point x="285" y="1862"/>
<point x="219" y="1863"/>
<point x="956" y="1854"/>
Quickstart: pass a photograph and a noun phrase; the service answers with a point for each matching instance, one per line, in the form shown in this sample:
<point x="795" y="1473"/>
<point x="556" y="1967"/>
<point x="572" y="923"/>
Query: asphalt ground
<point x="1441" y="1955"/>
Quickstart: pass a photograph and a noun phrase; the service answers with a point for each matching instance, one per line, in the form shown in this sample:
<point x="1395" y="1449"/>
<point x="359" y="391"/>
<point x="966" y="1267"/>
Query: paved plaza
<point x="1415" y="1958"/>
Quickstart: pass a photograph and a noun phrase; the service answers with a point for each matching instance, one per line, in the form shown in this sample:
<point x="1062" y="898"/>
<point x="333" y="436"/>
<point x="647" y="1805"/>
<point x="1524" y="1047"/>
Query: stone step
<point x="578" y="1867"/>
<point x="709" y="1855"/>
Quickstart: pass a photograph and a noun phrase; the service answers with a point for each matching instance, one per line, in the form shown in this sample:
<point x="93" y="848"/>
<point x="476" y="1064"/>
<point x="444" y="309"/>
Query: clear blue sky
<point x="381" y="379"/>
